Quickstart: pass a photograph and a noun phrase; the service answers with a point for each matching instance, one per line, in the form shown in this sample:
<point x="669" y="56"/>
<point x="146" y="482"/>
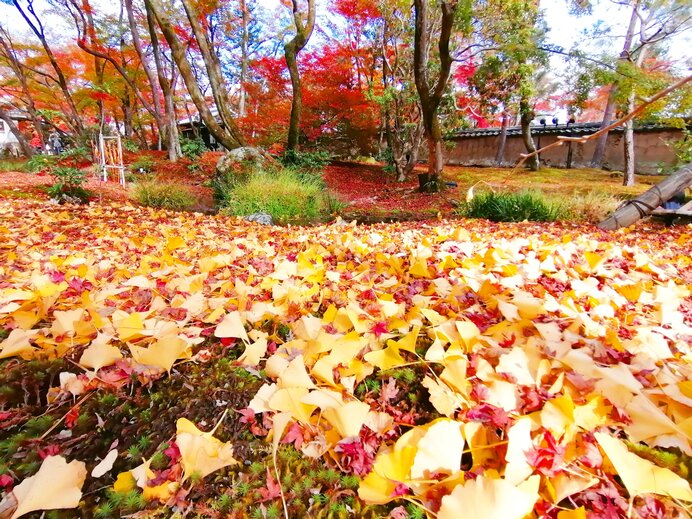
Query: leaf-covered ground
<point x="156" y="363"/>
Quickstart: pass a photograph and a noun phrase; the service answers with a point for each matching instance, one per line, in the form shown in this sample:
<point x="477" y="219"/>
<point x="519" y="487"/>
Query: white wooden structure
<point x="109" y="157"/>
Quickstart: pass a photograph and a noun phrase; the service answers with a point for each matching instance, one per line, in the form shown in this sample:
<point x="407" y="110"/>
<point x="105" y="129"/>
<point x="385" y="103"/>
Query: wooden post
<point x="644" y="204"/>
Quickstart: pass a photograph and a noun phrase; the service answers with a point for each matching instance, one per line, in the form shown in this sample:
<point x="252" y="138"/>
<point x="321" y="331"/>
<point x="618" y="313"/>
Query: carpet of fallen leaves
<point x="167" y="362"/>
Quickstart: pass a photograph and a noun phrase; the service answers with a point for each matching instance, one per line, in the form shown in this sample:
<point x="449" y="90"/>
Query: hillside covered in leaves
<point x="173" y="364"/>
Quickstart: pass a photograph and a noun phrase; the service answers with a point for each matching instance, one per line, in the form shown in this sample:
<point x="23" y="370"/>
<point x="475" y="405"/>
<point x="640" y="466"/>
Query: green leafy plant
<point x="41" y="162"/>
<point x="513" y="207"/>
<point x="68" y="185"/>
<point x="131" y="145"/>
<point x="192" y="148"/>
<point x="165" y="195"/>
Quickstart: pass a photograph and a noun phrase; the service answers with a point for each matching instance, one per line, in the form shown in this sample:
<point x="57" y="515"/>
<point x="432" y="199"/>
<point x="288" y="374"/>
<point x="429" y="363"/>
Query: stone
<point x="260" y="218"/>
<point x="231" y="161"/>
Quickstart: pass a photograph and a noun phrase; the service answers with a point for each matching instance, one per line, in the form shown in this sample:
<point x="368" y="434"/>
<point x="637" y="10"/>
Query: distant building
<point x="193" y="127"/>
<point x="8" y="142"/>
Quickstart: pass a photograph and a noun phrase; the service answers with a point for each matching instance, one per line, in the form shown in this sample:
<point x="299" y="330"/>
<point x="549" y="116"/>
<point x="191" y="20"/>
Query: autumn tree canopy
<point x="355" y="77"/>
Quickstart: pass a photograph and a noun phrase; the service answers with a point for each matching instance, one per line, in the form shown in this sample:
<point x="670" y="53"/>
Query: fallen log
<point x="643" y="205"/>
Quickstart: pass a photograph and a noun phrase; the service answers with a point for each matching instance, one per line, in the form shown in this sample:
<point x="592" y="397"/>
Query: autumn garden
<point x="250" y="265"/>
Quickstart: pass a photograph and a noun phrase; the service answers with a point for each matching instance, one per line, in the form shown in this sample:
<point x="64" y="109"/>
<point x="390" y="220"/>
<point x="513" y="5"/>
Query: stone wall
<point x="650" y="150"/>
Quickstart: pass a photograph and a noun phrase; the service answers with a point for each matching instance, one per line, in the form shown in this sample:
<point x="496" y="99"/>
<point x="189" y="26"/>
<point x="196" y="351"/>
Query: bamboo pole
<point x="641" y="206"/>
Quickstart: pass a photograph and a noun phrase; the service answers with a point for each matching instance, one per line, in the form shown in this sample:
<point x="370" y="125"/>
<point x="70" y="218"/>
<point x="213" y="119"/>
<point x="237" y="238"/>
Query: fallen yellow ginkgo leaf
<point x="485" y="498"/>
<point x="200" y="452"/>
<point x="640" y="476"/>
<point x="56" y="485"/>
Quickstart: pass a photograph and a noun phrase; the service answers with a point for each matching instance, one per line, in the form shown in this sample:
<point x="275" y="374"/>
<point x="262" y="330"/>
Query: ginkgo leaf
<point x="129" y="326"/>
<point x="231" y="326"/>
<point x="485" y="498"/>
<point x="105" y="465"/>
<point x="18" y="342"/>
<point x="439" y="450"/>
<point x="163" y="353"/>
<point x="200" y="452"/>
<point x="56" y="485"/>
<point x="519" y="443"/>
<point x="100" y="354"/>
<point x="348" y="418"/>
<point x="640" y="476"/>
<point x="390" y="469"/>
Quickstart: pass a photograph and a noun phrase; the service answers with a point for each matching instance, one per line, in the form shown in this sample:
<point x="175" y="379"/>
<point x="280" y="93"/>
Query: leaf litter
<point x="524" y="370"/>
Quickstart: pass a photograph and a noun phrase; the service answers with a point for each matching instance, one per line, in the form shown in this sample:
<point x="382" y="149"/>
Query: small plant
<point x="164" y="195"/>
<point x="131" y="145"/>
<point x="39" y="163"/>
<point x="104" y="511"/>
<point x="75" y="157"/>
<point x="306" y="160"/>
<point x="14" y="165"/>
<point x="142" y="164"/>
<point x="192" y="148"/>
<point x="68" y="185"/>
<point x="513" y="207"/>
<point x="591" y="207"/>
<point x="223" y="503"/>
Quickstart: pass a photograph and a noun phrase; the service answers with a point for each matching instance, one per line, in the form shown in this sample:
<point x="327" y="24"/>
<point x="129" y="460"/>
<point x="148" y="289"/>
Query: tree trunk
<point x="151" y="77"/>
<point x="229" y="137"/>
<point x="641" y="206"/>
<point x="18" y="69"/>
<point x="430" y="97"/>
<point x="170" y="124"/>
<point x="599" y="152"/>
<point x="291" y="49"/>
<point x="533" y="162"/>
<point x="23" y="143"/>
<point x="73" y="118"/>
<point x="244" y="43"/>
<point x="500" y="155"/>
<point x="628" y="137"/>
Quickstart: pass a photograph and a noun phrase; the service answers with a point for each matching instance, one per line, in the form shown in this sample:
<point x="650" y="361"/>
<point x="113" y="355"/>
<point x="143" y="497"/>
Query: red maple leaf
<point x="71" y="417"/>
<point x="50" y="450"/>
<point x="272" y="490"/>
<point x="355" y="458"/>
<point x="6" y="482"/>
<point x="294" y="435"/>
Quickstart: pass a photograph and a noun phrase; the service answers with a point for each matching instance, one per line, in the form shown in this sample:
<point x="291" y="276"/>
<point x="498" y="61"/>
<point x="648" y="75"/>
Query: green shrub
<point x="68" y="185"/>
<point x="153" y="192"/>
<point x="306" y="160"/>
<point x="514" y="207"/>
<point x="192" y="148"/>
<point x="130" y="145"/>
<point x="41" y="162"/>
<point x="284" y="194"/>
<point x="142" y="164"/>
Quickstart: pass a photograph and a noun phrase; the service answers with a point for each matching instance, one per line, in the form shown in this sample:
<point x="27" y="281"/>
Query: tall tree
<point x="226" y="132"/>
<point x="29" y="15"/>
<point x="431" y="90"/>
<point x="304" y="25"/>
<point x="651" y="24"/>
<point x="9" y="53"/>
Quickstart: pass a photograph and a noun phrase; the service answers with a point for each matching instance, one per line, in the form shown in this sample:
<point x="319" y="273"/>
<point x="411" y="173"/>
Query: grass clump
<point x="514" y="207"/>
<point x="20" y="165"/>
<point x="591" y="207"/>
<point x="284" y="194"/>
<point x="152" y="192"/>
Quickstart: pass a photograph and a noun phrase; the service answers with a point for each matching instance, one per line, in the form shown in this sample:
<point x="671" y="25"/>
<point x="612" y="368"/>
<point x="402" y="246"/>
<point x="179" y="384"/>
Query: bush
<point x="39" y="163"/>
<point x="284" y="194"/>
<point x="68" y="186"/>
<point x="142" y="164"/>
<point x="75" y="157"/>
<point x="514" y="207"/>
<point x="306" y="160"/>
<point x="192" y="148"/>
<point x="153" y="192"/>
